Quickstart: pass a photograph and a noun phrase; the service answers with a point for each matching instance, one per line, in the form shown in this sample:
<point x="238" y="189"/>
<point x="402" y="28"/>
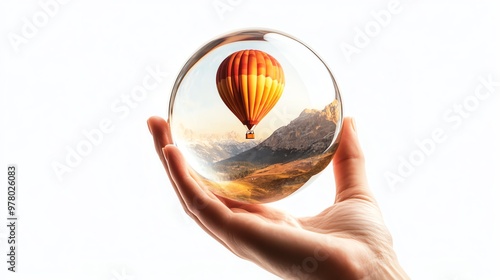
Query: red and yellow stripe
<point x="250" y="82"/>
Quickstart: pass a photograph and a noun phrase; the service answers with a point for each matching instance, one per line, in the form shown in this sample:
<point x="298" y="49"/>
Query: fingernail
<point x="149" y="127"/>
<point x="353" y="123"/>
<point x="165" y="154"/>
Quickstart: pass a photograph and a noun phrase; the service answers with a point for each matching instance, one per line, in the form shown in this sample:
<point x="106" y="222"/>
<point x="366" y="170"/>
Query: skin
<point x="347" y="240"/>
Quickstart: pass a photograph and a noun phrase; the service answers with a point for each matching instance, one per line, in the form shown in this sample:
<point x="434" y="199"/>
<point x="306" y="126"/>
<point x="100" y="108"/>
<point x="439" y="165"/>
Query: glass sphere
<point x="257" y="114"/>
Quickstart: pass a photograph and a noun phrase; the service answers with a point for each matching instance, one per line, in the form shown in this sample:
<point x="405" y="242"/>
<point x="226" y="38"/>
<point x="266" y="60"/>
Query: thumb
<point x="349" y="164"/>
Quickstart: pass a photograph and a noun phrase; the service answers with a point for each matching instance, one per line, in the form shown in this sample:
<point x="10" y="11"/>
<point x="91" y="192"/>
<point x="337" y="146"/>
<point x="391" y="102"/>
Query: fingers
<point x="160" y="130"/>
<point x="205" y="206"/>
<point x="349" y="164"/>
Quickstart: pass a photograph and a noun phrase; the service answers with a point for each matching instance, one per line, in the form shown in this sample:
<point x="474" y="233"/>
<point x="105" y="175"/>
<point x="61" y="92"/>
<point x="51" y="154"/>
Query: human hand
<point x="348" y="240"/>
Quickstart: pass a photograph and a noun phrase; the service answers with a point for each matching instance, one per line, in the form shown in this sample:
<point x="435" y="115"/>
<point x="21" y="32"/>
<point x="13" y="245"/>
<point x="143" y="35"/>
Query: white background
<point x="115" y="216"/>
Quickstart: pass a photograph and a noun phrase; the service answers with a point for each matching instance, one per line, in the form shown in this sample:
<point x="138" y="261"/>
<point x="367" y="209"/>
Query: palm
<point x="341" y="219"/>
<point x="350" y="226"/>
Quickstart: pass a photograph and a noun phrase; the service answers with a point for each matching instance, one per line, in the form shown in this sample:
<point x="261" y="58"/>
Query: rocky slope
<point x="310" y="134"/>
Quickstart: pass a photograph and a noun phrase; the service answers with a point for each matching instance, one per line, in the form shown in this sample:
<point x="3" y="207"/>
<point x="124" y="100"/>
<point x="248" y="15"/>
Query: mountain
<point x="310" y="134"/>
<point x="214" y="150"/>
<point x="215" y="147"/>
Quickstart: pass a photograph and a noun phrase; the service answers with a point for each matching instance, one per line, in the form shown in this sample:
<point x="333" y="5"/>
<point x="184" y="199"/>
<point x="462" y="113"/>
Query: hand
<point x="348" y="240"/>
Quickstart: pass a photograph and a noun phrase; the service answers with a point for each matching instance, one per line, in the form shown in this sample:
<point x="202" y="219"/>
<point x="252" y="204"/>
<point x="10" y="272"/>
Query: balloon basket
<point x="250" y="135"/>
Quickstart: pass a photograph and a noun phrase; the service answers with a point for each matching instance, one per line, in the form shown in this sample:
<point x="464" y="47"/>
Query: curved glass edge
<point x="248" y="35"/>
<point x="259" y="35"/>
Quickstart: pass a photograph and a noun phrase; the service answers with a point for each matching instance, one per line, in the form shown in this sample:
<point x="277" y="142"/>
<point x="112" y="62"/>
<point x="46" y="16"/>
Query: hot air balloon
<point x="250" y="82"/>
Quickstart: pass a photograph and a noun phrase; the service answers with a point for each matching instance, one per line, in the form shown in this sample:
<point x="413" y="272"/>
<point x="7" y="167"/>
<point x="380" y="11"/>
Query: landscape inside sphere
<point x="257" y="115"/>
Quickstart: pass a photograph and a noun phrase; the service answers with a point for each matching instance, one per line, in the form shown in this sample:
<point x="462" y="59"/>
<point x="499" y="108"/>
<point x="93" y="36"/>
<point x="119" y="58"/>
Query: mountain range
<point x="212" y="148"/>
<point x="310" y="134"/>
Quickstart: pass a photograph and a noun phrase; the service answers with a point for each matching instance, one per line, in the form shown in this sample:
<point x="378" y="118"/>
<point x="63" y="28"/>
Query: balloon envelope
<point x="250" y="82"/>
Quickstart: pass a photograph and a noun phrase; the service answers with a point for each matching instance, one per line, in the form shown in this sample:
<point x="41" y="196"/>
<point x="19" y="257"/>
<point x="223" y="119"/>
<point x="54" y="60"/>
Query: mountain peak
<point x="331" y="112"/>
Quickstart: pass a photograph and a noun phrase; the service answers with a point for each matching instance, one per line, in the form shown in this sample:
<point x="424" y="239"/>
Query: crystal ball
<point x="257" y="115"/>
